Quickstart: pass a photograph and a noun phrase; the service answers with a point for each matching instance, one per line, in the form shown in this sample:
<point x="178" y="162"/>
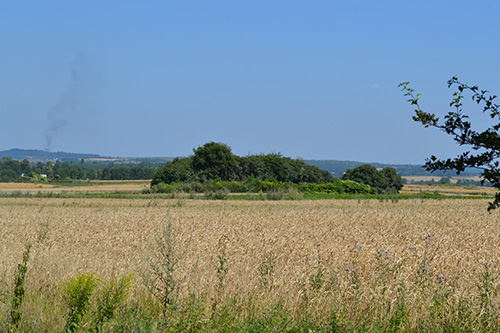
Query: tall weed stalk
<point x="19" y="291"/>
<point x="163" y="257"/>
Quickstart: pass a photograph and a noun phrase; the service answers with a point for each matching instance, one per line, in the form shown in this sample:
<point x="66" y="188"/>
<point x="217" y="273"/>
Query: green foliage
<point x="179" y="170"/>
<point x="13" y="170"/>
<point x="338" y="187"/>
<point x="215" y="162"/>
<point x="17" y="300"/>
<point x="483" y="146"/>
<point x="221" y="194"/>
<point x="385" y="181"/>
<point x="221" y="272"/>
<point x="293" y="193"/>
<point x="111" y="295"/>
<point x="221" y="190"/>
<point x="76" y="294"/>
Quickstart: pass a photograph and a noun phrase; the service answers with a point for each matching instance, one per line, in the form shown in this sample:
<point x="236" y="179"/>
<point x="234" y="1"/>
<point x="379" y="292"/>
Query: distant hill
<point x="42" y="155"/>
<point x="34" y="155"/>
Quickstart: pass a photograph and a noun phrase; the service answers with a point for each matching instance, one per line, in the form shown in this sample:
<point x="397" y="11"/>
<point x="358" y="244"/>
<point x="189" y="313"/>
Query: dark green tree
<point x="393" y="179"/>
<point x="386" y="180"/>
<point x="179" y="170"/>
<point x="214" y="160"/>
<point x="483" y="146"/>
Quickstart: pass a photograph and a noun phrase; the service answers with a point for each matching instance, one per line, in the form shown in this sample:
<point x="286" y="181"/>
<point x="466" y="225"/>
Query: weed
<point x="220" y="194"/>
<point x="293" y="193"/>
<point x="221" y="271"/>
<point x="111" y="295"/>
<point x="163" y="257"/>
<point x="42" y="231"/>
<point x="76" y="294"/>
<point x="488" y="292"/>
<point x="275" y="194"/>
<point x="19" y="291"/>
<point x="316" y="279"/>
<point x="266" y="270"/>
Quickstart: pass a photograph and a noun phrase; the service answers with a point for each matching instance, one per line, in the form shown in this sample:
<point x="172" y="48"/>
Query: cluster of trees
<point x="385" y="180"/>
<point x="13" y="170"/>
<point x="215" y="161"/>
<point x="338" y="168"/>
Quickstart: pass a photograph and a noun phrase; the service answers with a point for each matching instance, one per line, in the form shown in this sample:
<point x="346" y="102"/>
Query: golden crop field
<point x="299" y="253"/>
<point x="450" y="190"/>
<point x="83" y="186"/>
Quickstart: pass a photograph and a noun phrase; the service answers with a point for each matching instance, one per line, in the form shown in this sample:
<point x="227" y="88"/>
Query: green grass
<point x="250" y="196"/>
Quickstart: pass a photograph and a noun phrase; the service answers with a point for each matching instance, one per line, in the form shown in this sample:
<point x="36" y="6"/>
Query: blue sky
<point x="310" y="79"/>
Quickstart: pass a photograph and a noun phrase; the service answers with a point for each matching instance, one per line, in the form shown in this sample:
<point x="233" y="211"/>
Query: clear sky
<point x="312" y="79"/>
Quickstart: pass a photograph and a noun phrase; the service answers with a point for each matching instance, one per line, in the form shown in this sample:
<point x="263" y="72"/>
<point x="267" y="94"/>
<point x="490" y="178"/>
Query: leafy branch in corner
<point x="484" y="146"/>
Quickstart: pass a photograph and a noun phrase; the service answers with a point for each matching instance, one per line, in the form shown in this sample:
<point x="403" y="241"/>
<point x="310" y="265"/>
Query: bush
<point x="112" y="294"/>
<point x="293" y="193"/>
<point x="339" y="187"/>
<point x="221" y="194"/>
<point x="76" y="293"/>
<point x="385" y="181"/>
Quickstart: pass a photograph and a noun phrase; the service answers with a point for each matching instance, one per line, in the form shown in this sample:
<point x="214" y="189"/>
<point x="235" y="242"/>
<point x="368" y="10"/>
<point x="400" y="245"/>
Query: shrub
<point x="386" y="180"/>
<point x="76" y="293"/>
<point x="277" y="194"/>
<point x="218" y="194"/>
<point x="339" y="187"/>
<point x="293" y="193"/>
<point x="112" y="294"/>
<point x="161" y="188"/>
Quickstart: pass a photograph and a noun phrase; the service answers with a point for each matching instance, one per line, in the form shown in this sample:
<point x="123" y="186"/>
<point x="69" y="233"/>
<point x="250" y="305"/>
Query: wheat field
<point x="359" y="250"/>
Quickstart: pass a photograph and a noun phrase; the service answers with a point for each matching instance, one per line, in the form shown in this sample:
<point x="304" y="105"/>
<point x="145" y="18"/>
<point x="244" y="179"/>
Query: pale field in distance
<point x="450" y="190"/>
<point x="83" y="186"/>
<point x="457" y="238"/>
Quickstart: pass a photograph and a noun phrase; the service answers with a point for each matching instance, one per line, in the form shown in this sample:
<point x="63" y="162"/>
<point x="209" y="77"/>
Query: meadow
<point x="321" y="265"/>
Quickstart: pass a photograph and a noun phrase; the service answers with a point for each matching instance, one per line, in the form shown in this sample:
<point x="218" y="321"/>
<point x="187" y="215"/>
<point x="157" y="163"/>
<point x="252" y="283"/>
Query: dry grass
<point x="92" y="186"/>
<point x="449" y="190"/>
<point x="354" y="240"/>
<point x="453" y="179"/>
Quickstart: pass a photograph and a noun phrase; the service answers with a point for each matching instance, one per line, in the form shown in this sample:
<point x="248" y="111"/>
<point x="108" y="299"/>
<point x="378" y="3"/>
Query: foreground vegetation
<point x="342" y="265"/>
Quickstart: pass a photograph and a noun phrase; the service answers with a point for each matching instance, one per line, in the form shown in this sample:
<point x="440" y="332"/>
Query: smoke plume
<point x="67" y="106"/>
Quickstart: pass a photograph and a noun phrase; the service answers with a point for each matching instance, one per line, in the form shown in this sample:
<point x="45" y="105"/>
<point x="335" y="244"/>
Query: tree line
<point x="13" y="170"/>
<point x="216" y="162"/>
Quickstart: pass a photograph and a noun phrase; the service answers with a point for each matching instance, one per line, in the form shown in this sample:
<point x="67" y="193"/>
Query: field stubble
<point x="352" y="246"/>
